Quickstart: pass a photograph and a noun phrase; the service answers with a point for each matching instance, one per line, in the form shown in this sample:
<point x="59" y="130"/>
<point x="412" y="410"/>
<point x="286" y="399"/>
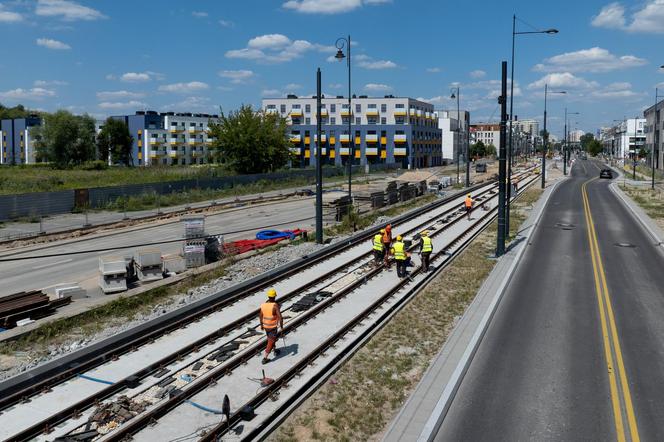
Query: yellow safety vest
<point x="427" y="246"/>
<point x="270" y="320"/>
<point x="399" y="251"/>
<point x="378" y="242"/>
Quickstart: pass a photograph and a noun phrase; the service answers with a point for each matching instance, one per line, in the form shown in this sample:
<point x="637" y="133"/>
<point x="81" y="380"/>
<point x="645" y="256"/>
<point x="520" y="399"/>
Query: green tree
<point x="478" y="150"/>
<point x="594" y="147"/>
<point x="17" y="111"/>
<point x="585" y="141"/>
<point x="250" y="142"/>
<point x="114" y="140"/>
<point x="65" y="139"/>
<point x="490" y="151"/>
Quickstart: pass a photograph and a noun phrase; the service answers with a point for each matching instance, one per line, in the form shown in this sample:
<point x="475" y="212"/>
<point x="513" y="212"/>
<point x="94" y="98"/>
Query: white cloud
<point x="35" y="93"/>
<point x="9" y="16"/>
<point x="648" y="18"/>
<point x="237" y="77"/>
<point x="118" y="95"/>
<point x="563" y="80"/>
<point x="366" y="62"/>
<point x="226" y="23"/>
<point x="589" y="60"/>
<point x="377" y="87"/>
<point x="52" y="44"/>
<point x="192" y="103"/>
<point x="336" y="86"/>
<point x="115" y="105"/>
<point x="184" y="88"/>
<point x="478" y="73"/>
<point x="275" y="48"/>
<point x="619" y="90"/>
<point x="292" y="87"/>
<point x="271" y="93"/>
<point x="46" y="83"/>
<point x="67" y="10"/>
<point x="328" y="6"/>
<point x="199" y="14"/>
<point x="135" y="77"/>
<point x="433" y="70"/>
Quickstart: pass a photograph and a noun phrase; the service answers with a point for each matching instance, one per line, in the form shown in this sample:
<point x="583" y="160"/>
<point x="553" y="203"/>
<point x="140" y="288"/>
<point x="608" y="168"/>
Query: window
<point x="297" y="106"/>
<point x="283" y="109"/>
<point x="322" y="106"/>
<point x="271" y="106"/>
<point x="400" y="106"/>
<point x="307" y="108"/>
<point x="400" y="120"/>
<point x="307" y="120"/>
<point x="174" y="124"/>
<point x="371" y="105"/>
<point x="192" y="124"/>
<point x="344" y="120"/>
<point x="333" y="120"/>
<point x="372" y="120"/>
<point x="295" y="120"/>
<point x="383" y="120"/>
<point x="358" y="120"/>
<point x="358" y="108"/>
<point x="333" y="107"/>
<point x="383" y="107"/>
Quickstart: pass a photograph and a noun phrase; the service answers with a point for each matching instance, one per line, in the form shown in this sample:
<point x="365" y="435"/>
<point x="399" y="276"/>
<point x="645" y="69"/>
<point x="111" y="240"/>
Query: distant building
<point x="653" y="128"/>
<point x="625" y="139"/>
<point x="454" y="131"/>
<point x="529" y="126"/>
<point x="17" y="145"/>
<point x="389" y="130"/>
<point x="575" y="136"/>
<point x="168" y="138"/>
<point x="487" y="133"/>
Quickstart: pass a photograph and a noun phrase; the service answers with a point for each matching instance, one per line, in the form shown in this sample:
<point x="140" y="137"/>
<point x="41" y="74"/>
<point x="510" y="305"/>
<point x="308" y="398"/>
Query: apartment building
<point x="625" y="138"/>
<point x="387" y="130"/>
<point x="528" y="126"/>
<point x="454" y="133"/>
<point x="169" y="138"/>
<point x="653" y="131"/>
<point x="487" y="133"/>
<point x="17" y="145"/>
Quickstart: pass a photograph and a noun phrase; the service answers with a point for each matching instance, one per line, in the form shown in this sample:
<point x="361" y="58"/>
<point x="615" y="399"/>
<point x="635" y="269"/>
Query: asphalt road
<point x="83" y="268"/>
<point x="571" y="355"/>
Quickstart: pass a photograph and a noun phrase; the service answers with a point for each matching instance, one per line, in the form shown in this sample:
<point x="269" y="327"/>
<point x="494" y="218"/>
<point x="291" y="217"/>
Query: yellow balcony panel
<point x="323" y="138"/>
<point x="295" y="138"/>
<point x="323" y="113"/>
<point x="345" y="151"/>
<point x="372" y="112"/>
<point x="333" y="153"/>
<point x="412" y="112"/>
<point x="400" y="112"/>
<point x="154" y="143"/>
<point x="173" y="154"/>
<point x="358" y="140"/>
<point x="370" y="138"/>
<point x="153" y="155"/>
<point x="345" y="138"/>
<point x="296" y="113"/>
<point x="307" y="140"/>
<point x="383" y="140"/>
<point x="346" y="113"/>
<point x="400" y="138"/>
<point x="333" y="140"/>
<point x="358" y="154"/>
<point x="140" y="155"/>
<point x="383" y="154"/>
<point x="399" y="152"/>
<point x="192" y="142"/>
<point x="371" y="151"/>
<point x="418" y="113"/>
<point x="307" y="153"/>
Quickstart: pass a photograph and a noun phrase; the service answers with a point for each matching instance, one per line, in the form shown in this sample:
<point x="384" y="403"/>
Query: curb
<point x="648" y="224"/>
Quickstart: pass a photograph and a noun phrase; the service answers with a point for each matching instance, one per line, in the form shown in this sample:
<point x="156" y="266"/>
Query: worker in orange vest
<point x="469" y="205"/>
<point x="387" y="241"/>
<point x="271" y="319"/>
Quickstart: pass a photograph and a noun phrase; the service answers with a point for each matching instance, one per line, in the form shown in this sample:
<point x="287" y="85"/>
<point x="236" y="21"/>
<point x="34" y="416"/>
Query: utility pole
<point x="500" y="239"/>
<point x="545" y="142"/>
<point x="319" y="166"/>
<point x="467" y="149"/>
<point x="565" y="146"/>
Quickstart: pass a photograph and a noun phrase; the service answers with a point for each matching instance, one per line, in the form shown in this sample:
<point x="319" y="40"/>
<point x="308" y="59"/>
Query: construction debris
<point x="24" y="307"/>
<point x="108" y="416"/>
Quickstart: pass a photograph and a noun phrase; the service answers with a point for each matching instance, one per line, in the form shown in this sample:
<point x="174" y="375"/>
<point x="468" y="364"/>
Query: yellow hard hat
<point x="272" y="293"/>
<point x="382" y="230"/>
<point x="425" y="233"/>
<point x="469" y="195"/>
<point x="399" y="238"/>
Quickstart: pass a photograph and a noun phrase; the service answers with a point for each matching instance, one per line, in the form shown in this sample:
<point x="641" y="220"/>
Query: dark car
<point x="606" y="173"/>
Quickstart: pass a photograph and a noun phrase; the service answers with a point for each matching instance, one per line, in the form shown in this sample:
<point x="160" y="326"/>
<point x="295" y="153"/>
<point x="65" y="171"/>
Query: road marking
<point x="610" y="333"/>
<point x="43" y="266"/>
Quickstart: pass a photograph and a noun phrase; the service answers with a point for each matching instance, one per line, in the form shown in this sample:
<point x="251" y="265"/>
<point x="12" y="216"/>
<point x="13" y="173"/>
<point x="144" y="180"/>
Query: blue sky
<point x="115" y="56"/>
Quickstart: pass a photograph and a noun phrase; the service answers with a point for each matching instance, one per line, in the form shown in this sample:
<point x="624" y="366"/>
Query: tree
<point x="585" y="140"/>
<point x="11" y="113"/>
<point x="250" y="142"/>
<point x="114" y="140"/>
<point x="490" y="151"/>
<point x="593" y="147"/>
<point x="477" y="150"/>
<point x="65" y="139"/>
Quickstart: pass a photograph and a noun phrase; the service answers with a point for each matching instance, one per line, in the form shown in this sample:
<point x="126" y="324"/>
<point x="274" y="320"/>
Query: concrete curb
<point x="453" y="360"/>
<point x="642" y="217"/>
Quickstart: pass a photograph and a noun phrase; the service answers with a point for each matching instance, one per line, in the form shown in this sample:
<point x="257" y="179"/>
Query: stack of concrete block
<point x="112" y="274"/>
<point x="148" y="265"/>
<point x="193" y="248"/>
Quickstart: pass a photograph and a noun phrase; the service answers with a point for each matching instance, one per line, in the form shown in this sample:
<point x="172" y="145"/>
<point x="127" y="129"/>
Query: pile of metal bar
<point x="27" y="306"/>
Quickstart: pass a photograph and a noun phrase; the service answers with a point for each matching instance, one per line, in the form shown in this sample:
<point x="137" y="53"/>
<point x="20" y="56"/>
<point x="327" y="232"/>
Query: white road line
<point x="43" y="266"/>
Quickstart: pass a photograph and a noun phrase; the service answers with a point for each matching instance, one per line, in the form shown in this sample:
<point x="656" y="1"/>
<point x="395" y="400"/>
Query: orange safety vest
<point x="469" y="202"/>
<point x="270" y="319"/>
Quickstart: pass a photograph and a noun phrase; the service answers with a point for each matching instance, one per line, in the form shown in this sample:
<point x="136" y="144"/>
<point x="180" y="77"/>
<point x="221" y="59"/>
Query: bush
<point x="94" y="165"/>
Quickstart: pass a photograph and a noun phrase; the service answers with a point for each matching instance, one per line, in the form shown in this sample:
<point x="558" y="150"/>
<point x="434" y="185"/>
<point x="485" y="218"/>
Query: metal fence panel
<point x="36" y="204"/>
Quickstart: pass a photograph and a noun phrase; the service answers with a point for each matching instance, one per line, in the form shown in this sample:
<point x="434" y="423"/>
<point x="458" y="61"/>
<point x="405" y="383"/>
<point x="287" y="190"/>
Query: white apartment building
<point x="527" y="126"/>
<point x="487" y="133"/>
<point x="384" y="130"/>
<point x="575" y="136"/>
<point x="625" y="139"/>
<point x="454" y="132"/>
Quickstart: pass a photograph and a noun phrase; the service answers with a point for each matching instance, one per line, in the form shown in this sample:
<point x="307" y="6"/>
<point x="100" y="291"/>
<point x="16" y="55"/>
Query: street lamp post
<point x="545" y="142"/>
<point x="340" y="44"/>
<point x="566" y="136"/>
<point x="511" y="115"/>
<point x="456" y="93"/>
<point x="654" y="142"/>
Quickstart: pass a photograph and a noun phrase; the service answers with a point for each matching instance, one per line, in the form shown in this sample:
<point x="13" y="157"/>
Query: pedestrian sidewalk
<point x="422" y="414"/>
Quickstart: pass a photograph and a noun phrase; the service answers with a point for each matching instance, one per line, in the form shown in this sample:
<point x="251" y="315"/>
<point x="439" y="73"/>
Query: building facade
<point x="575" y="135"/>
<point x="528" y="126"/>
<point x="625" y="139"/>
<point x="487" y="133"/>
<point x="17" y="145"/>
<point x="169" y="138"/>
<point x="653" y="131"/>
<point x="454" y="133"/>
<point x="389" y="130"/>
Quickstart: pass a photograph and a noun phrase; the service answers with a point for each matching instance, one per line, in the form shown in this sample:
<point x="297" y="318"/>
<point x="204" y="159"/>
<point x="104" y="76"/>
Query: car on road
<point x="606" y="173"/>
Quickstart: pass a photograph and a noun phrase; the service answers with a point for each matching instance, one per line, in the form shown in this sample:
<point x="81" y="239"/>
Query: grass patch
<point x="651" y="201"/>
<point x="371" y="387"/>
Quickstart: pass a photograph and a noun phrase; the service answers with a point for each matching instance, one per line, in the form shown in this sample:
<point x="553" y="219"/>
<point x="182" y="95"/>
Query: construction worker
<point x="271" y="319"/>
<point x="378" y="247"/>
<point x="387" y="242"/>
<point x="400" y="256"/>
<point x="469" y="205"/>
<point x="426" y="247"/>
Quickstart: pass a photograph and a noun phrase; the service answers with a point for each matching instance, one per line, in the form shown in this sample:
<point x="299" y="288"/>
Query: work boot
<point x="265" y="361"/>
